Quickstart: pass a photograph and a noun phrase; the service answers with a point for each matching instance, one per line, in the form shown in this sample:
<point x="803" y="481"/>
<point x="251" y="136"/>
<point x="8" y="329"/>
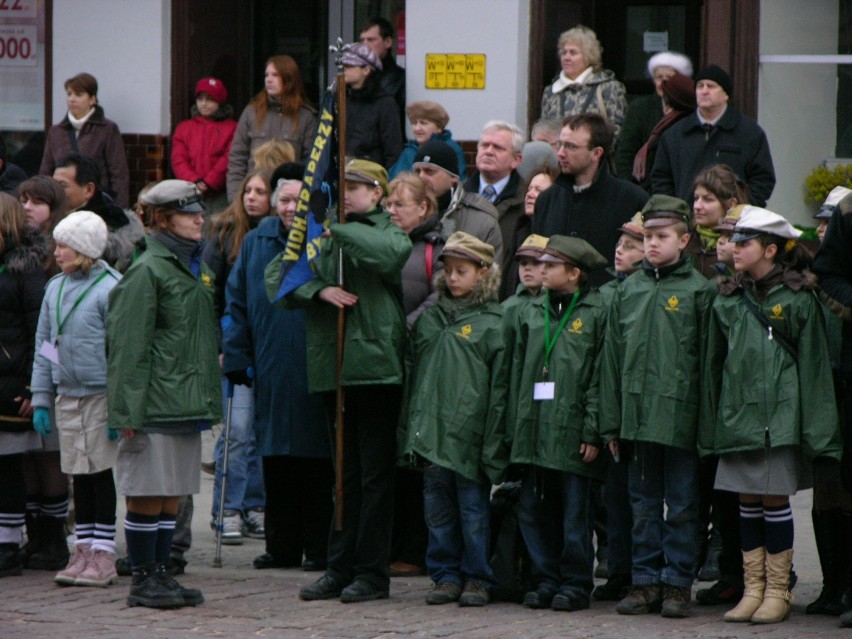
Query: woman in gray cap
<point x="162" y="385"/>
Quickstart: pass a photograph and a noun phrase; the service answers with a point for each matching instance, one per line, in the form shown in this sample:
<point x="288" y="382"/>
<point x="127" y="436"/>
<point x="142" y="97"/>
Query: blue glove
<point x="41" y="421"/>
<point x="113" y="434"/>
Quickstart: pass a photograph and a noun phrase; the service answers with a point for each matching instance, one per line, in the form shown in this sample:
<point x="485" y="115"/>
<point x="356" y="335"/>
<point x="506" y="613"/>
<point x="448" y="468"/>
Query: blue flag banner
<point x="318" y="193"/>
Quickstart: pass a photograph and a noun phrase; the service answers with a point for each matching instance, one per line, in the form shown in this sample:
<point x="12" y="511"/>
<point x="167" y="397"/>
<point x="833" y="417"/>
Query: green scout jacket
<point x="374" y="252"/>
<point x="512" y="307"/>
<point x="457" y="389"/>
<point x="162" y="348"/>
<point x="653" y="355"/>
<point x="548" y="433"/>
<point x="758" y="395"/>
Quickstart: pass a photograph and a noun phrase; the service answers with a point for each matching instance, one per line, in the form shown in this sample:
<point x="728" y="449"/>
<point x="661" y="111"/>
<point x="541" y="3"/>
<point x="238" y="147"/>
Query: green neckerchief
<point x="550" y="343"/>
<point x="708" y="237"/>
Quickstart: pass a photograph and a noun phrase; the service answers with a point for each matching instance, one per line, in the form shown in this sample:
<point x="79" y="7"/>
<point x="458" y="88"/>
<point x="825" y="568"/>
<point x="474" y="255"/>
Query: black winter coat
<point x="594" y="214"/>
<point x="22" y="282"/>
<point x="372" y="124"/>
<point x="684" y="149"/>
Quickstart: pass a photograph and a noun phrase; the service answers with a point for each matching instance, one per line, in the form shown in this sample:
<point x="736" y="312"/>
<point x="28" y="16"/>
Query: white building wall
<point x="797" y="103"/>
<point x="126" y="45"/>
<point x="497" y="28"/>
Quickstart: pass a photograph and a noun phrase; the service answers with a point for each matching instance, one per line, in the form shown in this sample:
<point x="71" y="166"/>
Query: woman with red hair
<point x="280" y="112"/>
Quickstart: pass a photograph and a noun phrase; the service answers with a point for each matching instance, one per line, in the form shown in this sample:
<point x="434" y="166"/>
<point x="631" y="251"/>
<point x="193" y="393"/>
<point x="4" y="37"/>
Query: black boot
<point x="53" y="554"/>
<point x="190" y="596"/>
<point x="35" y="538"/>
<point x="149" y="591"/>
<point x="10" y="560"/>
<point x="827" y="525"/>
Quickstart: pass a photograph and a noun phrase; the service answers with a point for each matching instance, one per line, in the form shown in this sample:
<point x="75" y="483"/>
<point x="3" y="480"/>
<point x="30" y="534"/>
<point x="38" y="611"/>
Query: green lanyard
<point x="59" y="320"/>
<point x="2" y="268"/>
<point x="548" y="343"/>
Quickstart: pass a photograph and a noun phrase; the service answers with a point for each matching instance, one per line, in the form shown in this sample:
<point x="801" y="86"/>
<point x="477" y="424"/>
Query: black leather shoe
<point x="539" y="598"/>
<point x="361" y="590"/>
<point x="313" y="565"/>
<point x="266" y="560"/>
<point x="326" y="587"/>
<point x="569" y="603"/>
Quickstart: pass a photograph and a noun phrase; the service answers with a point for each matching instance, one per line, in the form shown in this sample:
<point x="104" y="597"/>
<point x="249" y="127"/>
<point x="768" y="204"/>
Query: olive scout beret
<point x="573" y="251"/>
<point x="367" y="172"/>
<point x="664" y="210"/>
<point x="426" y="110"/>
<point x="532" y="247"/>
<point x="633" y="227"/>
<point x="177" y="195"/>
<point x="468" y="247"/>
<point x="756" y="221"/>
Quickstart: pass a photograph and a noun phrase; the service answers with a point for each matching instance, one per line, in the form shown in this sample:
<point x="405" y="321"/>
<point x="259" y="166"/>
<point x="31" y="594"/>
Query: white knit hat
<point x="676" y="61"/>
<point x="83" y="231"/>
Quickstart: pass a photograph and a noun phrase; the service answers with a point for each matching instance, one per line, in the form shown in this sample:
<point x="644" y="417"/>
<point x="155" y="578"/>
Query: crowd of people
<point x="603" y="322"/>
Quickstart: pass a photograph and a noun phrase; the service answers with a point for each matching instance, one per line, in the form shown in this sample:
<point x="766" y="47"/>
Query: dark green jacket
<point x="456" y="397"/>
<point x="758" y="394"/>
<point x="548" y="433"/>
<point x="162" y="364"/>
<point x="374" y="253"/>
<point x="654" y="354"/>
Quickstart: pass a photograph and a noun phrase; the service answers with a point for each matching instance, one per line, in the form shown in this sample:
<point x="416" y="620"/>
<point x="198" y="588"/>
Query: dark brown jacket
<point x="99" y="139"/>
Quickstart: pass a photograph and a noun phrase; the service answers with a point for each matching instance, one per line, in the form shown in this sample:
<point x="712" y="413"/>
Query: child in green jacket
<point x="629" y="251"/>
<point x="530" y="272"/>
<point x="653" y="357"/>
<point x="456" y="419"/>
<point x="554" y="424"/>
<point x="768" y="357"/>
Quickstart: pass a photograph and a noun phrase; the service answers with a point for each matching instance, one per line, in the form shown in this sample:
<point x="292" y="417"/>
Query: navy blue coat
<point x="288" y="420"/>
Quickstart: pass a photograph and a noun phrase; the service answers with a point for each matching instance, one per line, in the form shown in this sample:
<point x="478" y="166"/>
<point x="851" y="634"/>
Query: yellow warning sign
<point x="455" y="70"/>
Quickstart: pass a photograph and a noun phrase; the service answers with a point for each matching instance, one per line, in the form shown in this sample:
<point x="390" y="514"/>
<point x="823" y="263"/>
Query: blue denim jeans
<point x="244" y="488"/>
<point x="665" y="548"/>
<point x="554" y="513"/>
<point x="458" y="515"/>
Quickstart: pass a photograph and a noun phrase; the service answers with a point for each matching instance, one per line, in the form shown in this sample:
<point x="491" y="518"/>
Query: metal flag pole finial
<point x="338" y="49"/>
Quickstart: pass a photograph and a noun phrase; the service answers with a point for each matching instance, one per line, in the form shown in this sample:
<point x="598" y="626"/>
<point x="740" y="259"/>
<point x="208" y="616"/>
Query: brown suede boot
<point x="754" y="577"/>
<point x="776" y="597"/>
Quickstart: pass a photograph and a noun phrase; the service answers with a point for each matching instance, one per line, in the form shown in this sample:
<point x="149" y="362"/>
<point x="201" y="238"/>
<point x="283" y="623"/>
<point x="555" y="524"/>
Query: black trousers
<point x="362" y="549"/>
<point x="298" y="507"/>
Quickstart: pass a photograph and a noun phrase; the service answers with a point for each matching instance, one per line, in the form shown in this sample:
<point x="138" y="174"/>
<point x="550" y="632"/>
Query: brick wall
<point x="146" y="155"/>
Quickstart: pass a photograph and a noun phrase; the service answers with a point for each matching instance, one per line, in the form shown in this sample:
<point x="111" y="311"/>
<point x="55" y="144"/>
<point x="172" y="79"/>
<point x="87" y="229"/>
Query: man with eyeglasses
<point x="587" y="201"/>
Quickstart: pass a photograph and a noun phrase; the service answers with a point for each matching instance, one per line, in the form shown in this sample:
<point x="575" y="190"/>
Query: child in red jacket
<point x="200" y="145"/>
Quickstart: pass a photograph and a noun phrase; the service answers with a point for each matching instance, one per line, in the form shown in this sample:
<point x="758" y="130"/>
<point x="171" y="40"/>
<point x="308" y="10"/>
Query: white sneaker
<point x="231" y="528"/>
<point x="253" y="524"/>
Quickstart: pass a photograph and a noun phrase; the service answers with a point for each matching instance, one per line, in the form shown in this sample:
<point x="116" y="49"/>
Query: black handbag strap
<point x="774" y="333"/>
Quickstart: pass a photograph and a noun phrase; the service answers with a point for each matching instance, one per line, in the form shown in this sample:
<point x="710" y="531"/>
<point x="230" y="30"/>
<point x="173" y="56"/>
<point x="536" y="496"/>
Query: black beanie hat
<point x="288" y="171"/>
<point x="440" y="154"/>
<point x="718" y="75"/>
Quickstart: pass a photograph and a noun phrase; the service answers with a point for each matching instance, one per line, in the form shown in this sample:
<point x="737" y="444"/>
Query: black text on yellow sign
<point x="455" y="70"/>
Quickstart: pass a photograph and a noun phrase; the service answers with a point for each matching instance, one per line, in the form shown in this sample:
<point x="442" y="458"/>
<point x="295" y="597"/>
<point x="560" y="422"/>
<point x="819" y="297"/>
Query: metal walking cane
<point x="217" y="557"/>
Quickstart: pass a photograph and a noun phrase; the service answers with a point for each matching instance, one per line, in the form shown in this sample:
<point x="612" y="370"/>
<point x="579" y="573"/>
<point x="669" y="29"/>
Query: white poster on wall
<point x="22" y="65"/>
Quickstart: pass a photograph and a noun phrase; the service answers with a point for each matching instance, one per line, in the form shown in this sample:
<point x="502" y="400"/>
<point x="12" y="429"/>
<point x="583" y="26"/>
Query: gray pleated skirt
<point x="15" y="443"/>
<point x="780" y="471"/>
<point x="157" y="465"/>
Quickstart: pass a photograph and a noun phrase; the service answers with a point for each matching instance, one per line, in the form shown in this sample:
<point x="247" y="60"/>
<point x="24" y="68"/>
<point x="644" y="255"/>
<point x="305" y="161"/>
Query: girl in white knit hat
<point x="69" y="374"/>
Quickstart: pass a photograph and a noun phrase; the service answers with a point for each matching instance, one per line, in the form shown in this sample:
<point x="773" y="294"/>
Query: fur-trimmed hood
<point x="29" y="254"/>
<point x="121" y="242"/>
<point x="485" y="289"/>
<point x="224" y="112"/>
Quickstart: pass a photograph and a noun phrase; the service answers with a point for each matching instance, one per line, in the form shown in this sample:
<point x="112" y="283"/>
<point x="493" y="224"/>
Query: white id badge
<point x="49" y="351"/>
<point x="543" y="390"/>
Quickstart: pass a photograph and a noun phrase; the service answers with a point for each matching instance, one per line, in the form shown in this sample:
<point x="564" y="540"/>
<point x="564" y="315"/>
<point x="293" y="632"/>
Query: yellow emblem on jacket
<point x="465" y="331"/>
<point x="576" y="327"/>
<point x="208" y="281"/>
<point x="673" y="302"/>
<point x="777" y="312"/>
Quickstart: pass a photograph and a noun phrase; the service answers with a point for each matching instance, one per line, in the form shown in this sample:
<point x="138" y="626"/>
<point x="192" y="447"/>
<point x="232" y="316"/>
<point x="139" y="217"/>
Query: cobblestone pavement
<point x="244" y="602"/>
